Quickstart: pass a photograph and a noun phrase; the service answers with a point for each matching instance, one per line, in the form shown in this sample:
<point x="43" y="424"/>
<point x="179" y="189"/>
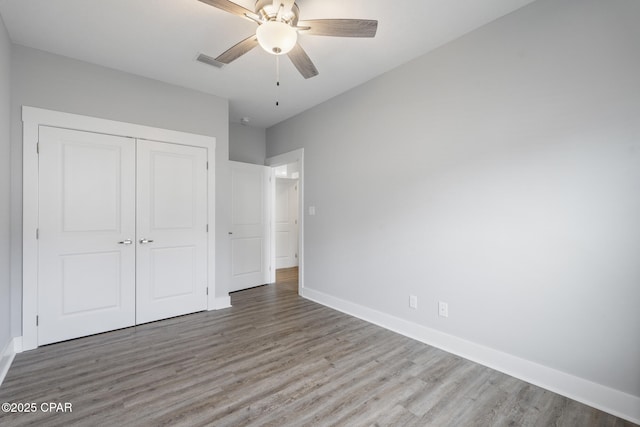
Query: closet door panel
<point x="171" y="230"/>
<point x="86" y="269"/>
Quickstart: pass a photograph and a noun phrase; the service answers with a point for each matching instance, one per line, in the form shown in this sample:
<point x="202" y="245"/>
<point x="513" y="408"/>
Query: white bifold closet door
<point x="102" y="265"/>
<point x="171" y="263"/>
<point x="87" y="202"/>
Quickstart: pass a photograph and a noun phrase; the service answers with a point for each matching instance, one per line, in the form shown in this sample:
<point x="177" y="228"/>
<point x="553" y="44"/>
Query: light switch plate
<point x="413" y="301"/>
<point x="443" y="309"/>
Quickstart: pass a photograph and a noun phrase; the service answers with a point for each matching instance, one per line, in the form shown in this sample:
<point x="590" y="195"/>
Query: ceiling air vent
<point x="206" y="59"/>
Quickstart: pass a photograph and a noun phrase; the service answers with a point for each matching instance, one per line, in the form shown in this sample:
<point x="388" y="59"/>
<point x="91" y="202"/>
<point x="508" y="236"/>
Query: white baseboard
<point x="613" y="401"/>
<point x="221" y="302"/>
<point x="8" y="353"/>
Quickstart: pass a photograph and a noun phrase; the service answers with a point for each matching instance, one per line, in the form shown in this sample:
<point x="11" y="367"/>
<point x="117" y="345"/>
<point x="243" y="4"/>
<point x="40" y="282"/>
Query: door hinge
<point x="207" y="228"/>
<point x="207" y="165"/>
<point x="37" y="233"/>
<point x="37" y="148"/>
<point x="37" y="320"/>
<point x="207" y="290"/>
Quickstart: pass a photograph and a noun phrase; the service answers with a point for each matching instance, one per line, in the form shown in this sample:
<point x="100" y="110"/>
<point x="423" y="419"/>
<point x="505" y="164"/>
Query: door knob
<point x="143" y="241"/>
<point x="126" y="242"/>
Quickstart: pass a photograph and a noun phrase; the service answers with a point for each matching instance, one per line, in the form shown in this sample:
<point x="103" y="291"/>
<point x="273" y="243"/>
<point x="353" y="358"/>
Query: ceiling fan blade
<point x="302" y="62"/>
<point x="229" y="6"/>
<point x="238" y="50"/>
<point x="339" y="27"/>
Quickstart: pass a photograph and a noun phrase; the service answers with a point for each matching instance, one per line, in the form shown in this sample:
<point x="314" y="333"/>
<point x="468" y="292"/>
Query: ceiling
<point x="161" y="39"/>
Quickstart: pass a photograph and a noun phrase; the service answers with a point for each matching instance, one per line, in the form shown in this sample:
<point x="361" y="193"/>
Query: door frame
<point x="32" y="119"/>
<point x="279" y="160"/>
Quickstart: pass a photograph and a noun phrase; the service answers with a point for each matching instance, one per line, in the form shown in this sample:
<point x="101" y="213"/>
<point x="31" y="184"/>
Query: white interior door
<point x="86" y="229"/>
<point x="286" y="222"/>
<point x="171" y="230"/>
<point x="249" y="232"/>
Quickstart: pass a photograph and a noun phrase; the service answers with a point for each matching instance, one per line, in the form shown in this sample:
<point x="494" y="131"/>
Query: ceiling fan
<point x="278" y="28"/>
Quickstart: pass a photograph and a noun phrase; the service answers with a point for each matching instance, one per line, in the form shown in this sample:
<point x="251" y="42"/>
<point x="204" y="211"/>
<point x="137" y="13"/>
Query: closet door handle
<point x="143" y="241"/>
<point x="126" y="242"/>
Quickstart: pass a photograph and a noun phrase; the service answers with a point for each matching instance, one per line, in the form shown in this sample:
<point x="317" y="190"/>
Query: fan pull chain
<point x="277" y="80"/>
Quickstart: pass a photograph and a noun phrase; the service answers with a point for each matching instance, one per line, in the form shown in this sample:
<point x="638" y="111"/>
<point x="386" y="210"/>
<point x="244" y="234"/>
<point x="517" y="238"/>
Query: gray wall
<point x="5" y="187"/>
<point x="247" y="144"/>
<point x="50" y="81"/>
<point x="501" y="174"/>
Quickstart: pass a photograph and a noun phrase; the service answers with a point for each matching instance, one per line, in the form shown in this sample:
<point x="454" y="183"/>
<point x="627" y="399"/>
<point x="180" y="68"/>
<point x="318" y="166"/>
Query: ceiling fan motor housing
<point x="265" y="9"/>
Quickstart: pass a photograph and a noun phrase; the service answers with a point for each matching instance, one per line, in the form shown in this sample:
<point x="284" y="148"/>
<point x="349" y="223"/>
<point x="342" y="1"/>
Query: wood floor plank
<point x="287" y="274"/>
<point x="273" y="359"/>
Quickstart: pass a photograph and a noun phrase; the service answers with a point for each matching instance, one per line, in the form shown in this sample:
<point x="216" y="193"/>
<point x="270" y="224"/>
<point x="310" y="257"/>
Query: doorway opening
<point x="285" y="218"/>
<point x="287" y="225"/>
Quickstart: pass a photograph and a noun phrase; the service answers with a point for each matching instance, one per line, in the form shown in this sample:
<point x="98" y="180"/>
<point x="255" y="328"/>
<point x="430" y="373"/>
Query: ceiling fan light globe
<point x="277" y="38"/>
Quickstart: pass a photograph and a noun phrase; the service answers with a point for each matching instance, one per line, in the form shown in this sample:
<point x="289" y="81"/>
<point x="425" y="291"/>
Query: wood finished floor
<point x="274" y="359"/>
<point x="289" y="275"/>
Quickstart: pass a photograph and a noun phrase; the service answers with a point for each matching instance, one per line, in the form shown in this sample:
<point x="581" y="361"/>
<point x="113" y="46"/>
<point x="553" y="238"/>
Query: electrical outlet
<point x="443" y="309"/>
<point x="413" y="301"/>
